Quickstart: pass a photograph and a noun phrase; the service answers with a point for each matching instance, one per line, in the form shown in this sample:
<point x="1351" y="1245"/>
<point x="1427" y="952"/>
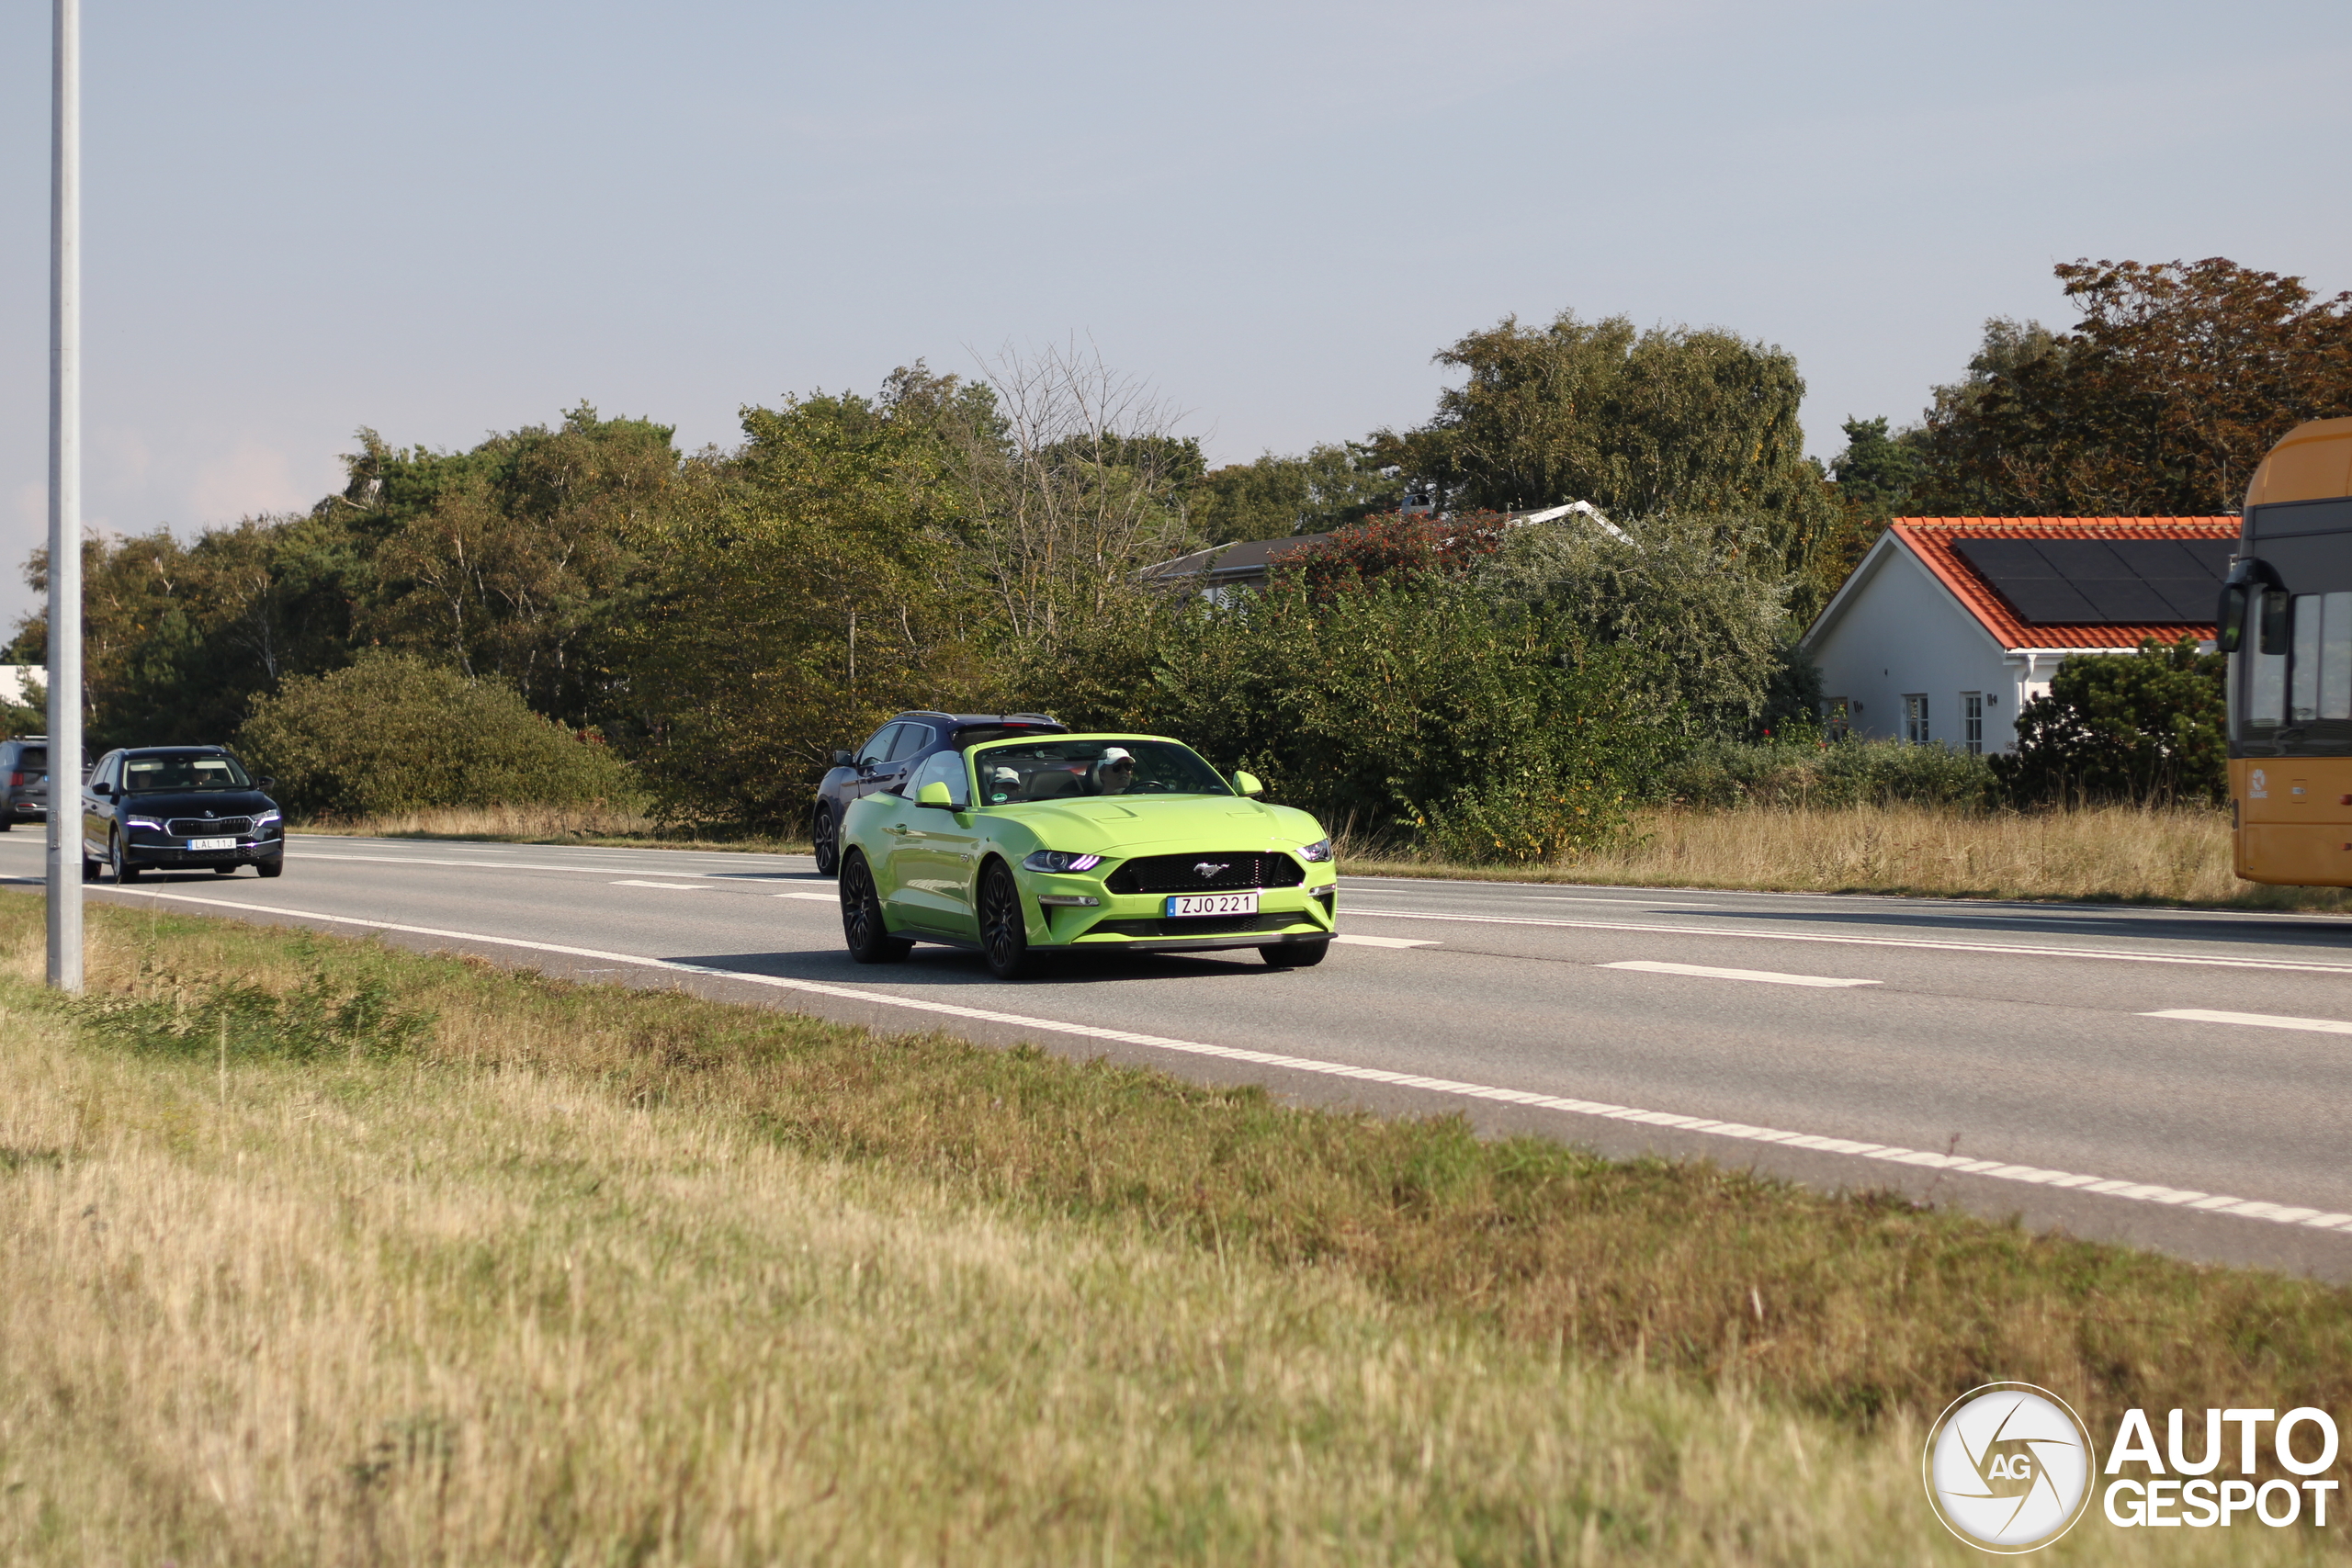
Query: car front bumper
<point x="1137" y="922"/>
<point x="164" y="857"/>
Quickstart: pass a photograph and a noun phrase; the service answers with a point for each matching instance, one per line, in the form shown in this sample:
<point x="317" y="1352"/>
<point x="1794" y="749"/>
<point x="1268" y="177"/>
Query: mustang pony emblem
<point x="1208" y="869"/>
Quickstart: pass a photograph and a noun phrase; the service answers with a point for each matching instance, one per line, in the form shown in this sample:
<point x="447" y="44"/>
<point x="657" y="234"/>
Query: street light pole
<point x="65" y="507"/>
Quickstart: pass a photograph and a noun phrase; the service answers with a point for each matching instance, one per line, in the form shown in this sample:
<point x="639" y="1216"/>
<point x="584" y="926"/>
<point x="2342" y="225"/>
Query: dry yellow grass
<point x="2107" y="852"/>
<point x="541" y="825"/>
<point x="529" y="1296"/>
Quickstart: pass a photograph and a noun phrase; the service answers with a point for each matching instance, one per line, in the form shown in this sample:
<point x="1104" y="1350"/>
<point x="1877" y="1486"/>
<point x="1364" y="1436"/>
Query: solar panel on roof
<point x="2102" y="582"/>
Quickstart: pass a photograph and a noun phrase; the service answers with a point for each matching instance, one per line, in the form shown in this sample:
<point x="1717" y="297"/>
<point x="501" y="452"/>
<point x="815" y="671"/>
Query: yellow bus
<point x="2286" y="625"/>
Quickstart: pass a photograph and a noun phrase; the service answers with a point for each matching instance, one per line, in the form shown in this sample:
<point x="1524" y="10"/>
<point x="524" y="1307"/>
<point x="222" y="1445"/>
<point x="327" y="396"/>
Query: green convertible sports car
<point x="1083" y="843"/>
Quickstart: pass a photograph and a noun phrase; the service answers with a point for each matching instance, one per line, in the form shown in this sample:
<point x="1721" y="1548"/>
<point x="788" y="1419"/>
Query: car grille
<point x="1181" y="874"/>
<point x="1203" y="925"/>
<point x="208" y="827"/>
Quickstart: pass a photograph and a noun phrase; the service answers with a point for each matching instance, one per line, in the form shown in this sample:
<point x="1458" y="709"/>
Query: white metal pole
<point x="65" y="507"/>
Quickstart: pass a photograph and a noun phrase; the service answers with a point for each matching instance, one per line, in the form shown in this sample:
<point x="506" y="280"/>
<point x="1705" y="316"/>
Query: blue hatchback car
<point x="895" y="751"/>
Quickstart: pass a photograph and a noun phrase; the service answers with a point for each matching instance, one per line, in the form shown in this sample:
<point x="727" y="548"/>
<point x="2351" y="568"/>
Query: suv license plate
<point x="1213" y="903"/>
<point x="212" y="843"/>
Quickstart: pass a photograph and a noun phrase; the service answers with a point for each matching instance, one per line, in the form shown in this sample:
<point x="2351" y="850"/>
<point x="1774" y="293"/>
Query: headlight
<point x="266" y="817"/>
<point x="1316" y="852"/>
<point x="147" y="822"/>
<point x="1056" y="860"/>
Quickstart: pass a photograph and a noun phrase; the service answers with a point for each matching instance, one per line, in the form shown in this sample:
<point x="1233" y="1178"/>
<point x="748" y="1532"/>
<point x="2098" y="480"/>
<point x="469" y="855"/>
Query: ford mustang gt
<point x="1075" y="843"/>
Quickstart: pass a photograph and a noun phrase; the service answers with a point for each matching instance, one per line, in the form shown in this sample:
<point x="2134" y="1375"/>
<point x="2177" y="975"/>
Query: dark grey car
<point x="891" y="752"/>
<point x="178" y="808"/>
<point x="24" y="780"/>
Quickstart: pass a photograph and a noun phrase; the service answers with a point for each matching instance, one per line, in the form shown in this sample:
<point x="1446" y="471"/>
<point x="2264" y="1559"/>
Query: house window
<point x="1836" y="717"/>
<point x="1915" y="717"/>
<point x="1971" y="722"/>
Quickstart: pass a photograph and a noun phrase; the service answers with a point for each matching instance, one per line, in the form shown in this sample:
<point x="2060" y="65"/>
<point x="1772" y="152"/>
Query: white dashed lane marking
<point x="1708" y="972"/>
<point x="2141" y="1192"/>
<point x="2255" y="1020"/>
<point x="813" y="898"/>
<point x="1354" y="940"/>
<point x="671" y="886"/>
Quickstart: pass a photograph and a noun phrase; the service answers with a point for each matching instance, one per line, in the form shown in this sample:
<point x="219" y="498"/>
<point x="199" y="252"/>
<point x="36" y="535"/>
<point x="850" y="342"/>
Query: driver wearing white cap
<point x="1114" y="770"/>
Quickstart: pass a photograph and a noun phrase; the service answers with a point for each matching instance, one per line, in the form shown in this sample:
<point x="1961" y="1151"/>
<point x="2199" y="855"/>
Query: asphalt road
<point x="2174" y="1079"/>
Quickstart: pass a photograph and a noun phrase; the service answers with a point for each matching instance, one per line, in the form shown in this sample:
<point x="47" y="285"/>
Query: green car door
<point x="936" y="851"/>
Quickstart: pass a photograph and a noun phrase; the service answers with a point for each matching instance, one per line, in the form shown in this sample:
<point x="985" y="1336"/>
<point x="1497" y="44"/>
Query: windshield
<point x="182" y="771"/>
<point x="1057" y="769"/>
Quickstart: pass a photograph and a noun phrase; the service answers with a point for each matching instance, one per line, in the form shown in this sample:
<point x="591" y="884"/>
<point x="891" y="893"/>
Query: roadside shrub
<point x="1808" y="772"/>
<point x="393" y="733"/>
<point x="246" y="1019"/>
<point x="1416" y="705"/>
<point x="2144" y="728"/>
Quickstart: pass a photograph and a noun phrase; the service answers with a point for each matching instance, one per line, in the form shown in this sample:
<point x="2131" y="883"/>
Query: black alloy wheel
<point x="123" y="870"/>
<point x="825" y="842"/>
<point x="869" y="938"/>
<point x="1004" y="931"/>
<point x="1296" y="955"/>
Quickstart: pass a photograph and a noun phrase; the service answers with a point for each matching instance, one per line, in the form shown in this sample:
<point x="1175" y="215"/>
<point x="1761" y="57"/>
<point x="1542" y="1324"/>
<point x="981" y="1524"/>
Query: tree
<point x="1876" y="472"/>
<point x="2162" y="400"/>
<point x="2146" y="727"/>
<point x="1330" y="487"/>
<point x="1394" y="545"/>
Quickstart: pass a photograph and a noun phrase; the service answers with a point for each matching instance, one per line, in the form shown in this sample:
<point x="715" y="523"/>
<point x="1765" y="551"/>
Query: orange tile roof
<point x="1932" y="539"/>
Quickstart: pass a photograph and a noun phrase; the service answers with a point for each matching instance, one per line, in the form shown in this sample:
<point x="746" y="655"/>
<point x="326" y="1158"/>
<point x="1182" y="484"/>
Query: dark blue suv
<point x="892" y="752"/>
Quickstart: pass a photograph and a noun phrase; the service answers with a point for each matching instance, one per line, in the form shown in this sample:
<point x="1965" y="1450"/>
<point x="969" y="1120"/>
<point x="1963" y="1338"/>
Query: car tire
<point x="225" y="871"/>
<point x="270" y="867"/>
<point x="825" y="840"/>
<point x="1297" y="954"/>
<point x="89" y="869"/>
<point x="863" y="928"/>
<point x="1004" y="928"/>
<point x="119" y="858"/>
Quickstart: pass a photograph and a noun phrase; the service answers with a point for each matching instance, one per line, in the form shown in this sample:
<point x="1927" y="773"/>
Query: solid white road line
<point x="2256" y="1019"/>
<point x="1708" y="972"/>
<point x="669" y="886"/>
<point x="1354" y="940"/>
<point x="2008" y="949"/>
<point x="2142" y="1193"/>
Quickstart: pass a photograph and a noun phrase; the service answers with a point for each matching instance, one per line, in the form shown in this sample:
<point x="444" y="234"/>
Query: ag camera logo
<point x="2008" y="1467"/>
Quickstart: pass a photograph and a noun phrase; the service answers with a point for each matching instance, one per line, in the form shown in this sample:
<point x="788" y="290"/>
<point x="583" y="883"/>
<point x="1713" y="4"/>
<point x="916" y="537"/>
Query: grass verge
<point x="314" y="1251"/>
<point x="592" y="825"/>
<point x="2113" y="853"/>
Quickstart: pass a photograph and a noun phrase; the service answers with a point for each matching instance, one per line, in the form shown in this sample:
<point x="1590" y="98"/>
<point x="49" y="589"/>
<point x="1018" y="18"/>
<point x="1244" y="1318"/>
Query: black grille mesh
<point x="1230" y="870"/>
<point x="1203" y="925"/>
<point x="208" y="827"/>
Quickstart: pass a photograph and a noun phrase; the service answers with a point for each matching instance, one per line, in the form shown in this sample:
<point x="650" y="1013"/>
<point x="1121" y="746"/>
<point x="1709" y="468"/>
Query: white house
<point x="1949" y="624"/>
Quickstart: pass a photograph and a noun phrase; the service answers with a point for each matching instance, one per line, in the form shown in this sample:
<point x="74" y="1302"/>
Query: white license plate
<point x="1213" y="903"/>
<point x="212" y="843"/>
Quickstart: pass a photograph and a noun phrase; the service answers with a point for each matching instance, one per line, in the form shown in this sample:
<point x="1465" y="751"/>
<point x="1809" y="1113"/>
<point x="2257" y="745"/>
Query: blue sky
<point x="442" y="220"/>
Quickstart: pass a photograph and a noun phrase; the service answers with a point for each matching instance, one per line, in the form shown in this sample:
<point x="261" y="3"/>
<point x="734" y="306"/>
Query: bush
<point x="1786" y="773"/>
<point x="2145" y="728"/>
<point x="393" y="733"/>
<point x="1416" y="705"/>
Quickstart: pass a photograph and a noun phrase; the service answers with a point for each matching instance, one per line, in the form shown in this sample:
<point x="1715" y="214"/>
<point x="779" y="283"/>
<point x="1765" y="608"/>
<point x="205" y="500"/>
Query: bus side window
<point x="2303" y="702"/>
<point x="2335" y="658"/>
<point x="2266" y="706"/>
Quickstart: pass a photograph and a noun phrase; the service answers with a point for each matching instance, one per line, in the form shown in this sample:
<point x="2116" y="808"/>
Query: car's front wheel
<point x="1296" y="955"/>
<point x="825" y="840"/>
<point x="269" y="867"/>
<point x="869" y="938"/>
<point x="123" y="870"/>
<point x="1004" y="931"/>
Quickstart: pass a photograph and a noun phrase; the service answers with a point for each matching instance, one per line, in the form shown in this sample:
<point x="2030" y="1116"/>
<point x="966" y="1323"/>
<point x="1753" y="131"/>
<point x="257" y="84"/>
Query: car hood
<point x="1138" y="825"/>
<point x="195" y="803"/>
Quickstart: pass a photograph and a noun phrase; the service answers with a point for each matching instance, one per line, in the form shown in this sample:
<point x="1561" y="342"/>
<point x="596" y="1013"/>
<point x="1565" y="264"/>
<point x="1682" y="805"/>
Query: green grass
<point x="319" y="1250"/>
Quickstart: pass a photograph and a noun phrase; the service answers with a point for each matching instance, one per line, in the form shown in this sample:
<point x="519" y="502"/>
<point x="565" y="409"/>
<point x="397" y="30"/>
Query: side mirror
<point x="2229" y="634"/>
<point x="843" y="760"/>
<point x="935" y="794"/>
<point x="102" y="789"/>
<point x="265" y="783"/>
<point x="1247" y="783"/>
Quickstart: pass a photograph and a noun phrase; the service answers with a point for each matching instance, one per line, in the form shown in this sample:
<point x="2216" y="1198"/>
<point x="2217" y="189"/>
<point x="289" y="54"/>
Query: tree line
<point x="720" y="620"/>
